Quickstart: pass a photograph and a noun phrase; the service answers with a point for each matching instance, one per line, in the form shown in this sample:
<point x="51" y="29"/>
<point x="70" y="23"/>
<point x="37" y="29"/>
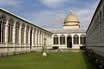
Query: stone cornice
<point x="72" y="22"/>
<point x="72" y="25"/>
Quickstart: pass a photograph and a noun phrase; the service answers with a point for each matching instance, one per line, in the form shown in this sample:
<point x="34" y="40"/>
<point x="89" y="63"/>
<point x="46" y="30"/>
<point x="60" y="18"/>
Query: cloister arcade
<point x="19" y="36"/>
<point x="69" y="40"/>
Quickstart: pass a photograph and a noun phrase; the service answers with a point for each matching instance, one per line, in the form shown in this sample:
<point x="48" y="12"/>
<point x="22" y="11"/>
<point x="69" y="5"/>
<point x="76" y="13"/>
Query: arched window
<point x="76" y="39"/>
<point x="83" y="39"/>
<point x="22" y="33"/>
<point x="17" y="33"/>
<point x="62" y="39"/>
<point x="2" y="28"/>
<point x="55" y="39"/>
<point x="10" y="30"/>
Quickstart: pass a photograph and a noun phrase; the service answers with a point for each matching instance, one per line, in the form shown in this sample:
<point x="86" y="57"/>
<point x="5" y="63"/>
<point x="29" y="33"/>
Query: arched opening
<point x="31" y="39"/>
<point x="10" y="31"/>
<point x="62" y="39"/>
<point x="83" y="39"/>
<point x="27" y="30"/>
<point x="76" y="39"/>
<point x="69" y="42"/>
<point x="17" y="33"/>
<point x="22" y="33"/>
<point x="2" y="28"/>
<point x="55" y="40"/>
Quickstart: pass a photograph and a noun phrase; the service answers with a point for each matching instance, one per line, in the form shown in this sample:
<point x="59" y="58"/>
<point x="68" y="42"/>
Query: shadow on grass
<point x="88" y="64"/>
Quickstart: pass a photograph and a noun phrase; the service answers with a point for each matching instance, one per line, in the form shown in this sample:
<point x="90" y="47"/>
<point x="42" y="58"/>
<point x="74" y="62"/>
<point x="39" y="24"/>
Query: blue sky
<point x="50" y="14"/>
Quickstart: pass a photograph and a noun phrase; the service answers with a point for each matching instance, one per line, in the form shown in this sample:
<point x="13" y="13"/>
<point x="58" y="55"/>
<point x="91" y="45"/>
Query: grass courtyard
<point x="52" y="61"/>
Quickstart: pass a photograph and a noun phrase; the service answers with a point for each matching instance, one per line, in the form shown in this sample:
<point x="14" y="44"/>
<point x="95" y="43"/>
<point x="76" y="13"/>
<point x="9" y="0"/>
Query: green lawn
<point x="53" y="61"/>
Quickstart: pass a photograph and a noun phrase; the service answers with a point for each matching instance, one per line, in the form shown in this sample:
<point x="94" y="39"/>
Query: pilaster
<point x="36" y="36"/>
<point x="59" y="40"/>
<point x="20" y="34"/>
<point x="14" y="28"/>
<point x="29" y="36"/>
<point x="33" y="37"/>
<point x="66" y="40"/>
<point x="6" y="37"/>
<point x="25" y="34"/>
<point x="79" y="39"/>
<point x="6" y="31"/>
<point x="72" y="36"/>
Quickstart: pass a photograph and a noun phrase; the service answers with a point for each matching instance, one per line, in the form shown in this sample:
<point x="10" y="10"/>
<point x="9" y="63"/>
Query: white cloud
<point x="54" y="19"/>
<point x="85" y="15"/>
<point x="49" y="19"/>
<point x="9" y="2"/>
<point x="54" y="3"/>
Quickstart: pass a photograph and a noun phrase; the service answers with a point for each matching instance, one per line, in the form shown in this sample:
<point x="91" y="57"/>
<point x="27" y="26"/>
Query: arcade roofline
<point x="27" y="21"/>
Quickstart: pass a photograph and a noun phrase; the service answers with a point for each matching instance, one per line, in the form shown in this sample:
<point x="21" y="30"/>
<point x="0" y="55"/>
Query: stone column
<point x="52" y="40"/>
<point x="20" y="27"/>
<point x="25" y="29"/>
<point x="59" y="40"/>
<point x="6" y="32"/>
<point x="36" y="38"/>
<point x="38" y="34"/>
<point x="39" y="39"/>
<point x="28" y="46"/>
<point x="66" y="40"/>
<point x="33" y="37"/>
<point x="46" y="40"/>
<point x="42" y="38"/>
<point x="14" y="30"/>
<point x="79" y="39"/>
<point x="49" y="40"/>
<point x="20" y="49"/>
<point x="6" y="38"/>
<point x="72" y="36"/>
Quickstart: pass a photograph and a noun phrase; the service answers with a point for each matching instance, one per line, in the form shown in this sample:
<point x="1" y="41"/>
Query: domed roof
<point x="71" y="18"/>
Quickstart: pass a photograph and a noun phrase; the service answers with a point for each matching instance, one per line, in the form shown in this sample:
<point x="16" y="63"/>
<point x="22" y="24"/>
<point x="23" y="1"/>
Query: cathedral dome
<point x="71" y="18"/>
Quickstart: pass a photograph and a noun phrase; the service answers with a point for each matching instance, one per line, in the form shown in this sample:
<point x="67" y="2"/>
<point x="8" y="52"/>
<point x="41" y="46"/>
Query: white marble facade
<point x="95" y="31"/>
<point x="71" y="36"/>
<point x="73" y="39"/>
